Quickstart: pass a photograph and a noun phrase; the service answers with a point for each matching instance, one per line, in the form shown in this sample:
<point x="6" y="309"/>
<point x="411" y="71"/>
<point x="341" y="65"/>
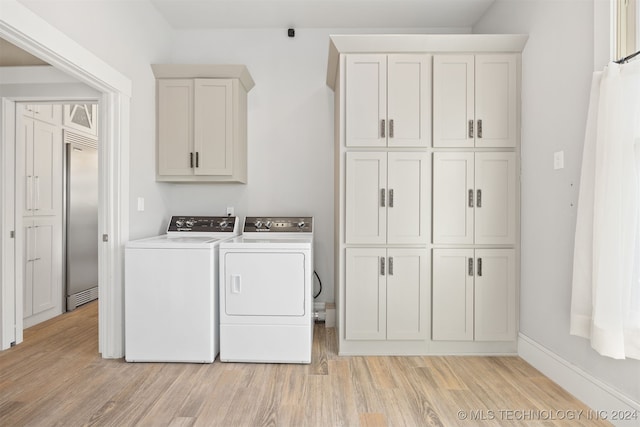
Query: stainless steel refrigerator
<point x="81" y="219"/>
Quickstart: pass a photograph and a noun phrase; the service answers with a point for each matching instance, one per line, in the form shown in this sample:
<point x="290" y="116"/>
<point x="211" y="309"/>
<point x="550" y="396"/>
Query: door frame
<point x="31" y="33"/>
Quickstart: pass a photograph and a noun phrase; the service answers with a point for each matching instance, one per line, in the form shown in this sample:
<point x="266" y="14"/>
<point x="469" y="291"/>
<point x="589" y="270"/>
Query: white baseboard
<point x="602" y="398"/>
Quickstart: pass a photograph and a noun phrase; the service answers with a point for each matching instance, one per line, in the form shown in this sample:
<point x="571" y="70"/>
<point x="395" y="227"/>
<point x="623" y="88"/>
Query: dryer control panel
<point x="202" y="224"/>
<point x="288" y="224"/>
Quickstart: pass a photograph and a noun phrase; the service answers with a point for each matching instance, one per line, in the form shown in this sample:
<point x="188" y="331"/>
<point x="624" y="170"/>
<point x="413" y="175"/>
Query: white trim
<point x="584" y="386"/>
<point x="28" y="31"/>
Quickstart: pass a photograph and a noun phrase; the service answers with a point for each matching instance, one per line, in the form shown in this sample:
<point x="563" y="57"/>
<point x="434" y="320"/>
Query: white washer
<point x="266" y="281"/>
<point x="171" y="291"/>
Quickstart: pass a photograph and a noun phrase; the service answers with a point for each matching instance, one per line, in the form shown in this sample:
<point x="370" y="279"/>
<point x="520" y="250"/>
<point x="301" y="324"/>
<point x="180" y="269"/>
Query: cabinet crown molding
<point x="419" y="43"/>
<point x="204" y="71"/>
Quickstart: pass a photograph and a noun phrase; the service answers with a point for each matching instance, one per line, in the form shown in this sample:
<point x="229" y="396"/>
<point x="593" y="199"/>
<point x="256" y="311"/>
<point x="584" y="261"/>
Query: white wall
<point x="557" y="63"/>
<point x="128" y="35"/>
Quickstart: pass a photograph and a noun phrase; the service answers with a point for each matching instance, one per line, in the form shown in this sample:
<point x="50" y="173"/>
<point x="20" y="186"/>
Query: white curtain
<point x="605" y="304"/>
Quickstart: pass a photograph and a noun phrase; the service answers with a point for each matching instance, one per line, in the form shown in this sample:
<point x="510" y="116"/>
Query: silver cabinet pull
<point x="382" y="198"/>
<point x="470" y="128"/>
<point x="470" y="198"/>
<point x="391" y="197"/>
<point x="382" y="266"/>
<point x="191" y="160"/>
<point x="470" y="266"/>
<point x="29" y="192"/>
<point x="480" y="128"/>
<point x="391" y="128"/>
<point x="479" y="266"/>
<point x="390" y="266"/>
<point x="382" y="130"/>
<point x="36" y="184"/>
<point x="197" y="159"/>
<point x="479" y="198"/>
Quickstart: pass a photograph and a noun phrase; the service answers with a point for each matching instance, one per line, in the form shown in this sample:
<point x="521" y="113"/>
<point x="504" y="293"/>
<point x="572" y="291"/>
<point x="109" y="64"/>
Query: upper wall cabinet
<point x="474" y="100"/>
<point x="388" y="100"/>
<point x="202" y="122"/>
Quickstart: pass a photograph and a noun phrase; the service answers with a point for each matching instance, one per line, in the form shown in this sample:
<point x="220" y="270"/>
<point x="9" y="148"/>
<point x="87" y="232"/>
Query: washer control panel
<point x="202" y="224"/>
<point x="288" y="224"/>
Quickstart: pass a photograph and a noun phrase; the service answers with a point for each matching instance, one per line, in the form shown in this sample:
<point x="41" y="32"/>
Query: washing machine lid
<point x="167" y="241"/>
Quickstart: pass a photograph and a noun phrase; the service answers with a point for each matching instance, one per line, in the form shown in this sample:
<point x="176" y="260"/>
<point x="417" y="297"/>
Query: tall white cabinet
<point x="426" y="192"/>
<point x="39" y="169"/>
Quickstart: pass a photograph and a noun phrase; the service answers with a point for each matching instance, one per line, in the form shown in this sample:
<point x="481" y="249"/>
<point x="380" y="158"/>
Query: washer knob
<point x="223" y="223"/>
<point x="301" y="224"/>
<point x="190" y="223"/>
<point x="179" y="223"/>
<point x="258" y="223"/>
<point x="267" y="224"/>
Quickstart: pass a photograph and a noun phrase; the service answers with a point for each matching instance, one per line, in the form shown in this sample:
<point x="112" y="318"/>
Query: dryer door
<point x="264" y="284"/>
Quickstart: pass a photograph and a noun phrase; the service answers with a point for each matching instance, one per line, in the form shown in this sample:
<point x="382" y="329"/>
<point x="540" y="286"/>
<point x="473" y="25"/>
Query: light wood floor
<point x="57" y="378"/>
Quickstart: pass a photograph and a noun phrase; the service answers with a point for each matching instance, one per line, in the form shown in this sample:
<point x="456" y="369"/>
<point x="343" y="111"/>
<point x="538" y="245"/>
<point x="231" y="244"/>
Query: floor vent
<point x="76" y="300"/>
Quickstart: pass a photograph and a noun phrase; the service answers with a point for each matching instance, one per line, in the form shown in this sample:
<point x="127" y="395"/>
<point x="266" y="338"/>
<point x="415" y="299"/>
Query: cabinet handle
<point x="28" y="243"/>
<point x="470" y="128"/>
<point x="479" y="198"/>
<point x="390" y="266"/>
<point x="382" y="198"/>
<point x="29" y="195"/>
<point x="382" y="130"/>
<point x="191" y="160"/>
<point x="197" y="159"/>
<point x="391" y="197"/>
<point x="480" y="128"/>
<point x="470" y="266"/>
<point x="391" y="128"/>
<point x="36" y="184"/>
<point x="471" y="198"/>
<point x="382" y="266"/>
<point x="479" y="266"/>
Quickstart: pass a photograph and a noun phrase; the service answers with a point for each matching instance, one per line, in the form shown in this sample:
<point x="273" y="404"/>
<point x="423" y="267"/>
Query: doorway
<point x="27" y="31"/>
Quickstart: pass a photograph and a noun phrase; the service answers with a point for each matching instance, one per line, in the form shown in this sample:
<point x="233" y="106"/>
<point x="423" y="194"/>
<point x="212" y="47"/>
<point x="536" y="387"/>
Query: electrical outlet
<point x="140" y="204"/>
<point x="230" y="211"/>
<point x="558" y="160"/>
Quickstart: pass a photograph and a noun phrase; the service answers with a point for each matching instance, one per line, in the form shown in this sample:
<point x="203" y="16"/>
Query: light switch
<point x="558" y="160"/>
<point x="140" y="204"/>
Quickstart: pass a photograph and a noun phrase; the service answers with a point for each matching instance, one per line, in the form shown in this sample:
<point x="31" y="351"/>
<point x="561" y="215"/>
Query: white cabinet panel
<point x="175" y="126"/>
<point x="386" y="294"/>
<point x="474" y="101"/>
<point x="388" y="100"/>
<point x="474" y="198"/>
<point x="474" y="295"/>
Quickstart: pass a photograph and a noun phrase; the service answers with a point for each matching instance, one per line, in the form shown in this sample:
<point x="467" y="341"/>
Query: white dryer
<point x="266" y="281"/>
<point x="171" y="291"/>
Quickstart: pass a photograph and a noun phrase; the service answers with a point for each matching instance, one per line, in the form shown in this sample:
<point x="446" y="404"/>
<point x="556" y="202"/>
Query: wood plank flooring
<point x="57" y="378"/>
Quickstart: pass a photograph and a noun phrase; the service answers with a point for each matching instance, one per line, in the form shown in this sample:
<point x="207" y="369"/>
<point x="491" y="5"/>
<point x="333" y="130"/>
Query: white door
<point x="408" y="100"/>
<point x="453" y="101"/>
<point x="495" y="198"/>
<point x="213" y="135"/>
<point x="407" y="294"/>
<point x="366" y="100"/>
<point x="495" y="100"/>
<point x="407" y="193"/>
<point x="366" y="197"/>
<point x="453" y="198"/>
<point x="365" y="294"/>
<point x="495" y="295"/>
<point x="264" y="283"/>
<point x="453" y="294"/>
<point x="175" y="127"/>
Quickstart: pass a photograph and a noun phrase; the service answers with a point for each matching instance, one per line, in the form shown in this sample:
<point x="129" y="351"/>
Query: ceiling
<point x="244" y="14"/>
<point x="201" y="14"/>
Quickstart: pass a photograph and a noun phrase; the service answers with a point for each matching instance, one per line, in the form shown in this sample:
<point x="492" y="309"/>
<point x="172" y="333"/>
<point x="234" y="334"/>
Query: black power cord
<point x="320" y="282"/>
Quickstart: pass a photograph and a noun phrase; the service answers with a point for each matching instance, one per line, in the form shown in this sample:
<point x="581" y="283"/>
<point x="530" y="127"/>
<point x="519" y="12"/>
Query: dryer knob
<point x="301" y="224"/>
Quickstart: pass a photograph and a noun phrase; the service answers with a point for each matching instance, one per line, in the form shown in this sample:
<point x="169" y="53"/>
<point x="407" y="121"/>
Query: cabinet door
<point x="409" y="100"/>
<point x="407" y="294"/>
<point x="175" y="127"/>
<point x="407" y="190"/>
<point x="46" y="180"/>
<point x="42" y="260"/>
<point x="495" y="106"/>
<point x="453" y="192"/>
<point x="495" y="295"/>
<point x="495" y="203"/>
<point x="453" y="100"/>
<point x="213" y="135"/>
<point x="365" y="294"/>
<point x="366" y="197"/>
<point x="452" y="303"/>
<point x="366" y="100"/>
<point x="24" y="165"/>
